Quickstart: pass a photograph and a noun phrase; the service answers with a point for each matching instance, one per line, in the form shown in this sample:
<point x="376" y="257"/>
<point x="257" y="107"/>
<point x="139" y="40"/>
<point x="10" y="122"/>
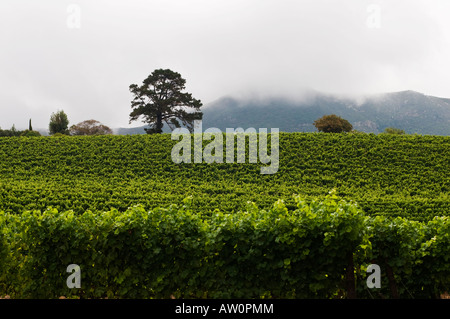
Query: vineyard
<point x="147" y="227"/>
<point x="404" y="176"/>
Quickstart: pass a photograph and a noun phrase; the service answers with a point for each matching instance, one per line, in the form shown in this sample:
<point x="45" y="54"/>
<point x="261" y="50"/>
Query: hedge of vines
<point x="320" y="249"/>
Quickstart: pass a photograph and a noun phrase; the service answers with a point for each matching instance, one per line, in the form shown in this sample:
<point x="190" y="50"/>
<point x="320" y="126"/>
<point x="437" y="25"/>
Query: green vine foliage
<point x="141" y="226"/>
<point x="254" y="253"/>
<point x="404" y="175"/>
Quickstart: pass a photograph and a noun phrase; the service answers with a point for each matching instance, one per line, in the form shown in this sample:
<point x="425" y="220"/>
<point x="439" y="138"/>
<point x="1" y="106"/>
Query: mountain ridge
<point x="411" y="111"/>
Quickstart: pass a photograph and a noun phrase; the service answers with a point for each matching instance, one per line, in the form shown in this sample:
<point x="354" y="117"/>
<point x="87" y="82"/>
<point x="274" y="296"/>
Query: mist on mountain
<point x="411" y="111"/>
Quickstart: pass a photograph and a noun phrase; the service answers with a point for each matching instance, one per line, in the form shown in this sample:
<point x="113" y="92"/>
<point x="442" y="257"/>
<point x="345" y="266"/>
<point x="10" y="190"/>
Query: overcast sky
<point x="81" y="56"/>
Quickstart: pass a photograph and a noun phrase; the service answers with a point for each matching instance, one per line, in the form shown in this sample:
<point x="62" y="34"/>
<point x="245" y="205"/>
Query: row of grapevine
<point x="387" y="175"/>
<point x="320" y="249"/>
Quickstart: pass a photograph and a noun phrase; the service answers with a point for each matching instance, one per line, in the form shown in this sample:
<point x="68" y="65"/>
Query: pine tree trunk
<point x="159" y="123"/>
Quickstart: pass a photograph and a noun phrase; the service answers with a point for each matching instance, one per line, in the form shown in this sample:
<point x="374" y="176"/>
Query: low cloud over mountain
<point x="408" y="110"/>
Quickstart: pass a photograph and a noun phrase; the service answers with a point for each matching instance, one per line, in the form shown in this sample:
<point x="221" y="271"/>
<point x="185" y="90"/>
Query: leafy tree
<point x="10" y="132"/>
<point x="14" y="132"/>
<point x="90" y="127"/>
<point x="59" y="123"/>
<point x="160" y="100"/>
<point x="393" y="130"/>
<point x="30" y="133"/>
<point x="332" y="124"/>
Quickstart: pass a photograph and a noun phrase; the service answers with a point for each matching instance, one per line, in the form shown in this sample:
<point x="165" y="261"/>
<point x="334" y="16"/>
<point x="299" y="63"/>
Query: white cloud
<point x="220" y="47"/>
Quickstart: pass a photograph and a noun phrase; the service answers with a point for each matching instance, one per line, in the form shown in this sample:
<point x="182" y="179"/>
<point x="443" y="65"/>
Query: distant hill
<point x="408" y="110"/>
<point x="137" y="130"/>
<point x="129" y="131"/>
